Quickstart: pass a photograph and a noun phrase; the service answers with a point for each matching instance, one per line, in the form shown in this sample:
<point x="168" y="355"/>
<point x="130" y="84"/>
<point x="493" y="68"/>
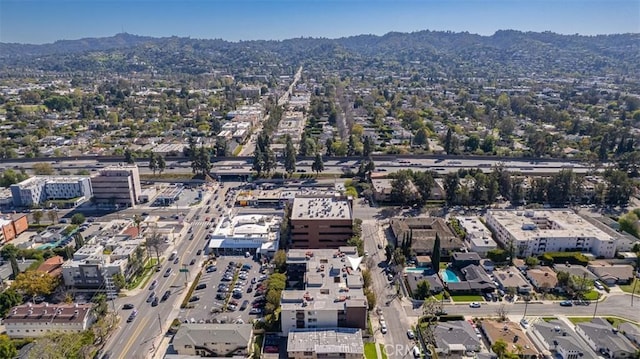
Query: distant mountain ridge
<point x="506" y="52"/>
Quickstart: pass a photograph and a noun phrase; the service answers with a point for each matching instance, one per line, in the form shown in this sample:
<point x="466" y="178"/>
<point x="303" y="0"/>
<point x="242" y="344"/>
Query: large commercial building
<point x="35" y="191"/>
<point x="321" y="222"/>
<point x="37" y="320"/>
<point x="117" y="186"/>
<point x="533" y="233"/>
<point x="254" y="233"/>
<point x="329" y="292"/>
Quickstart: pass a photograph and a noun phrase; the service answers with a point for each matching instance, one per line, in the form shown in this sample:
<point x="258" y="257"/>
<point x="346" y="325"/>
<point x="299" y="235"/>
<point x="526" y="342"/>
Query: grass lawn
<point x="591" y="295"/>
<point x="370" y="351"/>
<point x="439" y="296"/>
<point x="629" y="287"/>
<point x="467" y="298"/>
<point x="576" y="320"/>
<point x="548" y="319"/>
<point x="237" y="151"/>
<point x="384" y="352"/>
<point x="144" y="277"/>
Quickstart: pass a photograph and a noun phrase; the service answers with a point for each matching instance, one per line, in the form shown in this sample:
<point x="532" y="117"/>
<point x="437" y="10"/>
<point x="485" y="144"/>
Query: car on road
<point x="150" y="297"/>
<point x="244" y="305"/>
<point x="167" y="272"/>
<point x="165" y="296"/>
<point x="566" y="303"/>
<point x="132" y="316"/>
<point x="193" y="261"/>
<point x="474" y="305"/>
<point x="155" y="302"/>
<point x="175" y="261"/>
<point x="153" y="285"/>
<point x="411" y="334"/>
<point x="199" y="252"/>
<point x="128" y="306"/>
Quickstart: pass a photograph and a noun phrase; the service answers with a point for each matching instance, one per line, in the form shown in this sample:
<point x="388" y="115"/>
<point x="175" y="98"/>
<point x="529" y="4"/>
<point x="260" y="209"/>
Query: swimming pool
<point x="415" y="270"/>
<point x="449" y="276"/>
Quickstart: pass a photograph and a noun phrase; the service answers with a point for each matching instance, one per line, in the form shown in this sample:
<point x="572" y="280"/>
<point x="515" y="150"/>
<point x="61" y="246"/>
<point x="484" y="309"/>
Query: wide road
<point x="139" y="338"/>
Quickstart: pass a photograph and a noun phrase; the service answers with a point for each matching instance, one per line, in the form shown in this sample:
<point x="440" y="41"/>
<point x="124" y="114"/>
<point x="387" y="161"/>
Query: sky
<point x="45" y="21"/>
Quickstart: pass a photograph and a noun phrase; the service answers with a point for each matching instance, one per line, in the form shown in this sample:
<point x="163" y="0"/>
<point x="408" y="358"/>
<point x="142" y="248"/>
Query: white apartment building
<point x="89" y="265"/>
<point x="37" y="190"/>
<point x="535" y="232"/>
<point x="333" y="293"/>
<point x="477" y="235"/>
<point x="117" y="186"/>
<point x="37" y="320"/>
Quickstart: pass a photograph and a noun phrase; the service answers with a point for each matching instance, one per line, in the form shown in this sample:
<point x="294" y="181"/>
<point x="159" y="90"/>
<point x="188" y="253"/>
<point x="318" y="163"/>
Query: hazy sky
<point x="42" y="21"/>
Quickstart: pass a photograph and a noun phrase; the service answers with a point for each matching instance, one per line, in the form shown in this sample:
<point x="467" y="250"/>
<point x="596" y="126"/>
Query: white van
<point x="416" y="351"/>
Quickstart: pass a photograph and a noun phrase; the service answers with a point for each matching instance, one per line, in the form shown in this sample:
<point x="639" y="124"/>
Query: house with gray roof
<point x="455" y="338"/>
<point x="213" y="340"/>
<point x="631" y="331"/>
<point x="575" y="270"/>
<point x="475" y="280"/>
<point x="612" y="274"/>
<point x="324" y="343"/>
<point x="605" y="339"/>
<point x="556" y="337"/>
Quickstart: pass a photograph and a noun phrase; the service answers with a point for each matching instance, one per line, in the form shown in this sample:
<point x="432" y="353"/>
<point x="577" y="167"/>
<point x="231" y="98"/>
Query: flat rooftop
<point x="546" y="223"/>
<point x="320" y="208"/>
<point x="326" y="341"/>
<point x="247" y="226"/>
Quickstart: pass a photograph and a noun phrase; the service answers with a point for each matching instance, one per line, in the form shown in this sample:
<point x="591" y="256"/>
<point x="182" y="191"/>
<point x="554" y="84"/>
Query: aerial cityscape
<point x="363" y="191"/>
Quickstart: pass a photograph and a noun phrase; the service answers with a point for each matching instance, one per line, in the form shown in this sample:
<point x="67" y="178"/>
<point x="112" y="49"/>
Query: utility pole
<point x="595" y="310"/>
<point x="186" y="275"/>
<point x="160" y="322"/>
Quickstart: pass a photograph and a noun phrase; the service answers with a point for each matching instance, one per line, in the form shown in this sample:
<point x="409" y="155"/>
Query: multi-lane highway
<point x="140" y="338"/>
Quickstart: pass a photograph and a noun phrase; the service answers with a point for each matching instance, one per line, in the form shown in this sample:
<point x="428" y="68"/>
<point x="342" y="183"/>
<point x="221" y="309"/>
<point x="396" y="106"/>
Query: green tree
<point x="449" y="142"/>
<point x="162" y="164"/>
<point x="388" y="252"/>
<point x="280" y="261"/>
<point x="421" y="138"/>
<point x="222" y="147"/>
<point x="129" y="156"/>
<point x="37" y="216"/>
<point x="7" y="348"/>
<point x="423" y="290"/>
<point x="435" y="255"/>
<point x="402" y="188"/>
<point x="52" y="214"/>
<point x="153" y="163"/>
<point x="367" y="146"/>
<point x="500" y="347"/>
<point x="289" y="156"/>
<point x="317" y="166"/>
<point x="328" y="145"/>
<point x="78" y="219"/>
<point x="10" y="176"/>
<point x="154" y="241"/>
<point x="9" y="299"/>
<point x="472" y="143"/>
<point x="43" y="169"/>
<point x="531" y="261"/>
<point x="351" y="146"/>
<point x="33" y="283"/>
<point x="488" y="144"/>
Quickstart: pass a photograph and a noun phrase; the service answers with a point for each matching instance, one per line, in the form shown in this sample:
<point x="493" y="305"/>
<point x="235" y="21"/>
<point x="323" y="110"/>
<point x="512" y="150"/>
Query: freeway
<point x="140" y="337"/>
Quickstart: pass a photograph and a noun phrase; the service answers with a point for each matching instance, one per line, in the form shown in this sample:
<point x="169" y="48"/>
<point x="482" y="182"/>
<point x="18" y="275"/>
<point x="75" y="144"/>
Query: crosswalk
<point x="201" y="223"/>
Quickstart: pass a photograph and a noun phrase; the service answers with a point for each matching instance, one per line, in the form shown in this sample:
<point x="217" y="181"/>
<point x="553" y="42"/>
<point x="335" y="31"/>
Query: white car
<point x="474" y="305"/>
<point x="411" y="334"/>
<point x="524" y="323"/>
<point x="383" y="329"/>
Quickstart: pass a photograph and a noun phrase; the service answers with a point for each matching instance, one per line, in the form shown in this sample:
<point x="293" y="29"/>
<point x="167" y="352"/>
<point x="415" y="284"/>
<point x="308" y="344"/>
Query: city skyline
<point x="46" y="21"/>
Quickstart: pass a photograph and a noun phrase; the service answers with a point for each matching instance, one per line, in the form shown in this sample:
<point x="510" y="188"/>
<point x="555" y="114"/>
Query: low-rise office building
<point x="37" y="320"/>
<point x="254" y="233"/>
<point x="329" y="293"/>
<point x="532" y="233"/>
<point x="321" y="222"/>
<point x="325" y="343"/>
<point x="37" y="190"/>
<point x="117" y="186"/>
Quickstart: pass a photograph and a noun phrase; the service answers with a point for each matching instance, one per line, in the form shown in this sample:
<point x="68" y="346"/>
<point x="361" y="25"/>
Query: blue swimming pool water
<point x="415" y="270"/>
<point x="449" y="276"/>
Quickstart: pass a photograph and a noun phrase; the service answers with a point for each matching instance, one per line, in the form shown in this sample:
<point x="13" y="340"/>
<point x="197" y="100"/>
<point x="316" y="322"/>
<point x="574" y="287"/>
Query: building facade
<point x="533" y="233"/>
<point x="255" y="234"/>
<point x="329" y="295"/>
<point x="321" y="222"/>
<point x="117" y="186"/>
<point x="35" y="191"/>
<point x="213" y="340"/>
<point x="12" y="226"/>
<point x="343" y="343"/>
<point x="37" y="320"/>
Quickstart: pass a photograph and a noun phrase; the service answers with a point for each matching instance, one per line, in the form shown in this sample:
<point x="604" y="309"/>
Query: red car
<point x="207" y="219"/>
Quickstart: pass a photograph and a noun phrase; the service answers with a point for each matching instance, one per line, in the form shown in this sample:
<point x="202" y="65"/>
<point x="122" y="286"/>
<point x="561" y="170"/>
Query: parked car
<point x="201" y="286"/>
<point x="128" y="306"/>
<point x="524" y="323"/>
<point x="255" y="311"/>
<point x="474" y="305"/>
<point x="195" y="298"/>
<point x="411" y="334"/>
<point x="566" y="303"/>
<point x="244" y="305"/>
<point x="211" y="269"/>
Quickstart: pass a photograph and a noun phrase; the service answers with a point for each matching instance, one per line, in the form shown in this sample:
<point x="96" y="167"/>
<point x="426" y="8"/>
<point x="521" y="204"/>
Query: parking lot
<point x="208" y="308"/>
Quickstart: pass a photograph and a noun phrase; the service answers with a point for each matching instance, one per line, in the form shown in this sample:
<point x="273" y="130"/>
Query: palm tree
<point x="500" y="348"/>
<point x="137" y="219"/>
<point x="154" y="240"/>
